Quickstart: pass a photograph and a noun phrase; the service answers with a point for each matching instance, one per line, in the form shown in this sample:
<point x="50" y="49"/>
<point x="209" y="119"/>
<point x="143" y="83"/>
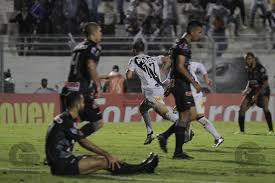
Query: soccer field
<point x="241" y="158"/>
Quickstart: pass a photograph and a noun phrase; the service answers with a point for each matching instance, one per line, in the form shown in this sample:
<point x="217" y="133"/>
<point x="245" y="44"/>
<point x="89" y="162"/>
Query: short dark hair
<point x="115" y="67"/>
<point x="193" y="24"/>
<point x="249" y="54"/>
<point x="89" y="28"/>
<point x="44" y="80"/>
<point x="72" y="98"/>
<point x="138" y="45"/>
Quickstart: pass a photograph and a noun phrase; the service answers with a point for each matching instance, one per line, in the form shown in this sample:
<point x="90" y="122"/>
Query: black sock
<point x="126" y="168"/>
<point x="269" y="120"/>
<point x="169" y="131"/>
<point x="179" y="133"/>
<point x="241" y="121"/>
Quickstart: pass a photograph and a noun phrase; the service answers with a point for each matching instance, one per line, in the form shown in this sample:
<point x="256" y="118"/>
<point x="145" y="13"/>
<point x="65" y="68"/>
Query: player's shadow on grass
<point x="257" y="134"/>
<point x="238" y="162"/>
<point x="209" y="150"/>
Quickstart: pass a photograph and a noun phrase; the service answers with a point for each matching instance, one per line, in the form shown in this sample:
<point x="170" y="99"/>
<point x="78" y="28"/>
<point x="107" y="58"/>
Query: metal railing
<point x="121" y="46"/>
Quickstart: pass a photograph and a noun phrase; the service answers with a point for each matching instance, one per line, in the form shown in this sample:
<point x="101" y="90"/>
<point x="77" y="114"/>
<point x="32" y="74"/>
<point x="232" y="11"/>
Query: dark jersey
<point x="256" y="76"/>
<point x="80" y="56"/>
<point x="181" y="48"/>
<point x="60" y="138"/>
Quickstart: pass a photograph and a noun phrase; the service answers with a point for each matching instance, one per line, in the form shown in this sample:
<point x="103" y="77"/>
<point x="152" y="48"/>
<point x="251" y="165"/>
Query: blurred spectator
<point x="120" y="10"/>
<point x="44" y="87"/>
<point x="93" y="13"/>
<point x="9" y="86"/>
<point x="271" y="20"/>
<point x="115" y="83"/>
<point x="258" y="4"/>
<point x="192" y="11"/>
<point x="38" y="12"/>
<point x="82" y="15"/>
<point x="25" y="28"/>
<point x="57" y="17"/>
<point x="109" y="18"/>
<point x="139" y="17"/>
<point x="70" y="8"/>
<point x="233" y="5"/>
<point x="217" y="14"/>
<point x="170" y="18"/>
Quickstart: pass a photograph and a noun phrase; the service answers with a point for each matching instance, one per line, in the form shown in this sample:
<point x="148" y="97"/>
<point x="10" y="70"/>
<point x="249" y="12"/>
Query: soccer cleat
<point x="162" y="142"/>
<point x="151" y="164"/>
<point x="218" y="142"/>
<point x="149" y="139"/>
<point x="150" y="156"/>
<point x="183" y="156"/>
<point x="271" y="133"/>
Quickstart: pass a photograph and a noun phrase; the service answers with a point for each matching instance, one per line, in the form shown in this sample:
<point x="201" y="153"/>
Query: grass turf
<point x="255" y="152"/>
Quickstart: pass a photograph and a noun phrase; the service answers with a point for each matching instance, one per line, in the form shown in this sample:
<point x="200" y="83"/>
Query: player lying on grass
<point x="60" y="139"/>
<point x="195" y="67"/>
<point x="148" y="70"/>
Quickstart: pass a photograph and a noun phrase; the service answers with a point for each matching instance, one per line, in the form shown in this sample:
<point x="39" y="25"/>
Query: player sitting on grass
<point x="60" y="139"/>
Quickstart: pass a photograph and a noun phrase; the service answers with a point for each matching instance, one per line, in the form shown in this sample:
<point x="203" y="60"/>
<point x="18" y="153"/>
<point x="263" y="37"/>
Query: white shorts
<point x="154" y="94"/>
<point x="199" y="102"/>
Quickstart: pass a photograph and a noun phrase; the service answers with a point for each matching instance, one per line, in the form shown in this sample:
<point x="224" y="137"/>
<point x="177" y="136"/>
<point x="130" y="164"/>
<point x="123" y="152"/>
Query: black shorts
<point x="66" y="166"/>
<point x="260" y="101"/>
<point x="91" y="111"/>
<point x="183" y="96"/>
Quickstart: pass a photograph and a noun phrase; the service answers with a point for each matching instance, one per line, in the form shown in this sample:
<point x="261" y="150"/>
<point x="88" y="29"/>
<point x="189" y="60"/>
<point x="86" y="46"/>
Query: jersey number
<point x="150" y="69"/>
<point x="74" y="62"/>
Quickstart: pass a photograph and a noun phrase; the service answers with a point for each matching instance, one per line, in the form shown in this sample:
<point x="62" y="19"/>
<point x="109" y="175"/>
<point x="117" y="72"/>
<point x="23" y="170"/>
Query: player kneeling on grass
<point x="147" y="69"/>
<point x="60" y="139"/>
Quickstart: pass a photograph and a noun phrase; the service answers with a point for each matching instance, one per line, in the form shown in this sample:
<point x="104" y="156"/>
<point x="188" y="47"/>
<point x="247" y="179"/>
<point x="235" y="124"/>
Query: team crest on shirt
<point x="94" y="50"/>
<point x="183" y="46"/>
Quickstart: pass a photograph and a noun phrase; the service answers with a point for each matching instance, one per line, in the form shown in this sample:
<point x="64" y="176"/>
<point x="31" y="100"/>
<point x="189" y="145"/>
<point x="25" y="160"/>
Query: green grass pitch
<point x="241" y="158"/>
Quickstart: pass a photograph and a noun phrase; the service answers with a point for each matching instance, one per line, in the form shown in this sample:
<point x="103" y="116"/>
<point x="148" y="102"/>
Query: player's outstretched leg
<point x="143" y="109"/>
<point x="93" y="163"/>
<point x="208" y="126"/>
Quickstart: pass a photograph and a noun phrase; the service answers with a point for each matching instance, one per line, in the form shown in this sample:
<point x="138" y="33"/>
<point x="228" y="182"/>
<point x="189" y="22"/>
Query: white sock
<point x="172" y="116"/>
<point x="147" y="121"/>
<point x="208" y="126"/>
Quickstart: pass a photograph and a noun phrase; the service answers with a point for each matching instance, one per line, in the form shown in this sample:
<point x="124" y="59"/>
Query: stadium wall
<point x="41" y="108"/>
<point x="28" y="70"/>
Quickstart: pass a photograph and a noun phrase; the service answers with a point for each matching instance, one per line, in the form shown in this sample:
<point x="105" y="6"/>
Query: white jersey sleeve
<point x="131" y="65"/>
<point x="159" y="59"/>
<point x="201" y="69"/>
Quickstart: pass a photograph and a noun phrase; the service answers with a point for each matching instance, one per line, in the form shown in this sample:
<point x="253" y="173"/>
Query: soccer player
<point x="83" y="77"/>
<point x="61" y="137"/>
<point x="195" y="67"/>
<point x="147" y="69"/>
<point x="256" y="92"/>
<point x="181" y="74"/>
